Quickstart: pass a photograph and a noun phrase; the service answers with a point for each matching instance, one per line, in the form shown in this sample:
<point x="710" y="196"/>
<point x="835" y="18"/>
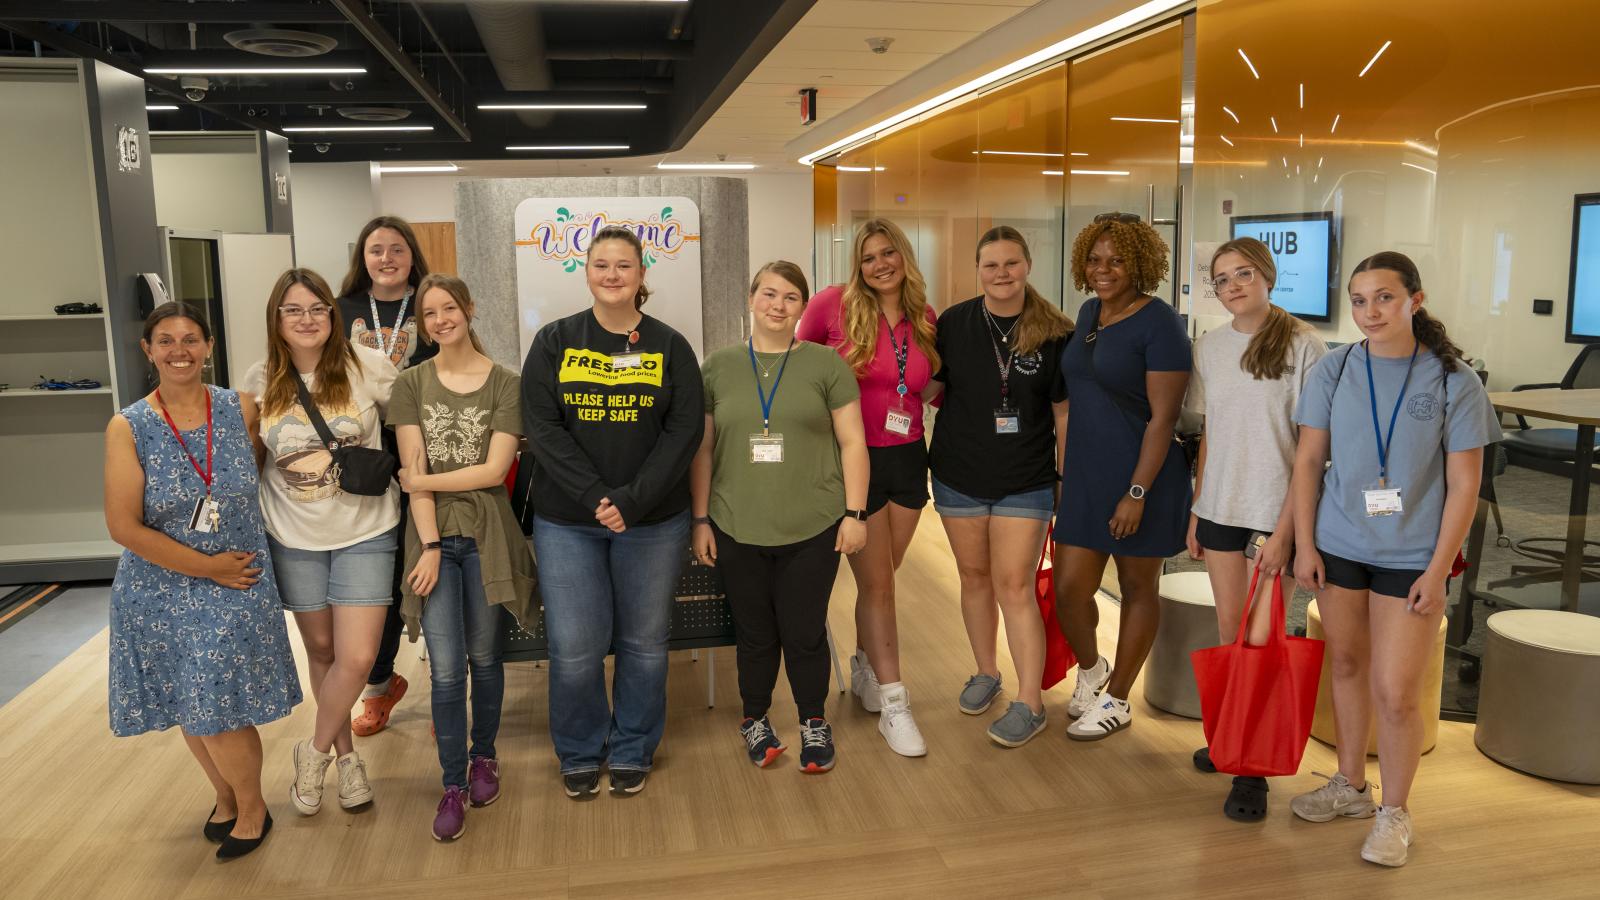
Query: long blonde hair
<point x="457" y="289"/>
<point x="1040" y="320"/>
<point x="860" y="305"/>
<point x="1266" y="357"/>
<point x="333" y="366"/>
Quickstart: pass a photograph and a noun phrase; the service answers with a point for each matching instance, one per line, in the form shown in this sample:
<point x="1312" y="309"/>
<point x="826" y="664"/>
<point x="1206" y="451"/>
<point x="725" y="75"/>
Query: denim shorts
<point x="1039" y="503"/>
<point x="358" y="575"/>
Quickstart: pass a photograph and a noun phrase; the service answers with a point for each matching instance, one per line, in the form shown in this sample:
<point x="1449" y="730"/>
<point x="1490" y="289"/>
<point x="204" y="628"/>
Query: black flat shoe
<point x="233" y="848"/>
<point x="1247" y="802"/>
<point x="1202" y="760"/>
<point x="216" y="831"/>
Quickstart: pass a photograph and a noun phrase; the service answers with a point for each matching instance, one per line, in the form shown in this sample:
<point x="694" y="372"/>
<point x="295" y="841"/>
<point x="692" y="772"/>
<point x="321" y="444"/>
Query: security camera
<point x="322" y="148"/>
<point x="195" y="86"/>
<point x="879" y="44"/>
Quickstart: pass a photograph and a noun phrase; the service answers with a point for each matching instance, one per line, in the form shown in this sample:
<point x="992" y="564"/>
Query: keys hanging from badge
<point x="766" y="448"/>
<point x="1382" y="500"/>
<point x="207" y="515"/>
<point x="1007" y="421"/>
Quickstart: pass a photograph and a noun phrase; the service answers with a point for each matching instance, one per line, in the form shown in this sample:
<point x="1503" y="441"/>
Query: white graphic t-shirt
<point x="301" y="501"/>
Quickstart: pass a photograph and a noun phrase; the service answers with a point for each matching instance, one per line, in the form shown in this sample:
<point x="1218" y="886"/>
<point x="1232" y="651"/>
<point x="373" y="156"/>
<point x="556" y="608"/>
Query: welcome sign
<point x="553" y="236"/>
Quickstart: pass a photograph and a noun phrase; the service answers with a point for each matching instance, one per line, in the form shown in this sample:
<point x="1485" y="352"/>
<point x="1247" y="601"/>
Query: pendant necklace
<point x="1005" y="336"/>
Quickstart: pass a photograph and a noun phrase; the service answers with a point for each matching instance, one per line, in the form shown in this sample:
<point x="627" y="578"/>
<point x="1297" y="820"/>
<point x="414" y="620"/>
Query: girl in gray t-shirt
<point x="1248" y="376"/>
<point x="1405" y="423"/>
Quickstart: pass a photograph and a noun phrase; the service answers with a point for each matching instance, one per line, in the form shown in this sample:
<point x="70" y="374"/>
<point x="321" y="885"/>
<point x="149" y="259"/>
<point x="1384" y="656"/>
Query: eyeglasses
<point x="1240" y="277"/>
<point x="1129" y="218"/>
<point x="295" y="313"/>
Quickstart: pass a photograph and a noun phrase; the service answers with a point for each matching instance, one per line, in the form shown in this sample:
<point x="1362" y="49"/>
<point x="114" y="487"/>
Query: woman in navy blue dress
<point x="1125" y="481"/>
<point x="197" y="633"/>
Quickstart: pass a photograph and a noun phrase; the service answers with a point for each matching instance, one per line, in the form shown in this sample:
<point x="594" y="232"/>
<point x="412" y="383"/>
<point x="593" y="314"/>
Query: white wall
<point x="332" y="201"/>
<point x="208" y="182"/>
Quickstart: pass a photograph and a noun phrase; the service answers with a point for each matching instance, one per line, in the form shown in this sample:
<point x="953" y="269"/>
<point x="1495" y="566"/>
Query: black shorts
<point x="1222" y="538"/>
<point x="899" y="473"/>
<point x="1358" y="576"/>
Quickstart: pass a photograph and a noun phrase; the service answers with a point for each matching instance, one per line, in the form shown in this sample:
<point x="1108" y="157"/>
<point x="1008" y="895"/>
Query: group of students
<point x="775" y="457"/>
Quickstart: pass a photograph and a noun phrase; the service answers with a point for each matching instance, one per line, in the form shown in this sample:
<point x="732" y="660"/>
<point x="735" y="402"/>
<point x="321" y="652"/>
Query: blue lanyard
<point x="900" y="352"/>
<point x="765" y="398"/>
<point x="1385" y="443"/>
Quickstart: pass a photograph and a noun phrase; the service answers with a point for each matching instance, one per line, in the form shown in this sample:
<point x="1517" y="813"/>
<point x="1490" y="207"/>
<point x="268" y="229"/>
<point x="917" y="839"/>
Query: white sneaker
<point x="1087" y="689"/>
<point x="864" y="682"/>
<point x="896" y="724"/>
<point x="309" y="769"/>
<point x="1108" y="717"/>
<point x="354" y="789"/>
<point x="1334" y="799"/>
<point x="1390" y="837"/>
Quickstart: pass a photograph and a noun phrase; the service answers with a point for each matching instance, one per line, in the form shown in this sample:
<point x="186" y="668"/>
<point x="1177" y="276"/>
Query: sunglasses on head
<point x="1130" y="218"/>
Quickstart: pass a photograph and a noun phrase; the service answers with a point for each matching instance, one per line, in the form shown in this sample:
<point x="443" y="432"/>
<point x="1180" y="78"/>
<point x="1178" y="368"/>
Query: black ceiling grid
<point x="428" y="66"/>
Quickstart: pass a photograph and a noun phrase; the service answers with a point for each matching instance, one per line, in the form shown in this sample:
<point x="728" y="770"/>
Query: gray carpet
<point x="49" y="634"/>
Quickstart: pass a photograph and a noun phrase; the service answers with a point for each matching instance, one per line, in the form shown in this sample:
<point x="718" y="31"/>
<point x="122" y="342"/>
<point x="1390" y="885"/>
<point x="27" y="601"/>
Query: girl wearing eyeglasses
<point x="333" y="550"/>
<point x="1248" y="376"/>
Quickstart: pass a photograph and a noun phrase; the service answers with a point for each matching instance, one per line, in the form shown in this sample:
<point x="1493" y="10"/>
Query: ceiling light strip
<point x="327" y="129"/>
<point x="562" y="106"/>
<point x="720" y="166"/>
<point x="1111" y="26"/>
<point x="391" y="170"/>
<point x="159" y="107"/>
<point x="541" y="148"/>
<point x="256" y="70"/>
<point x="1140" y="119"/>
<point x="1374" y="59"/>
<point x="1232" y="115"/>
<point x="1249" y="63"/>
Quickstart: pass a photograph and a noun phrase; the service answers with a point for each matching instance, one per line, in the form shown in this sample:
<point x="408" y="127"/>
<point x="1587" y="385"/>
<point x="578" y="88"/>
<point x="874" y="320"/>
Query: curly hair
<point x="1140" y="247"/>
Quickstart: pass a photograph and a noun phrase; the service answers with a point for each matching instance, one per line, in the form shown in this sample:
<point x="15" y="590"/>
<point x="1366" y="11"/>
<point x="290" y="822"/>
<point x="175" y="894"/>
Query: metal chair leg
<point x="711" y="678"/>
<point x="833" y="653"/>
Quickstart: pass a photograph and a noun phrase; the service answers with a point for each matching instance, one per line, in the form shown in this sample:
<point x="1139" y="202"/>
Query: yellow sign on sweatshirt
<point x="599" y="368"/>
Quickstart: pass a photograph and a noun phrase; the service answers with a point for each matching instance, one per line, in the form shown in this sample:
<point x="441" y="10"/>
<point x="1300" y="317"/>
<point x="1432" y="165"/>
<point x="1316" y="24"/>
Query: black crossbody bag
<point x="1135" y="406"/>
<point x="359" y="470"/>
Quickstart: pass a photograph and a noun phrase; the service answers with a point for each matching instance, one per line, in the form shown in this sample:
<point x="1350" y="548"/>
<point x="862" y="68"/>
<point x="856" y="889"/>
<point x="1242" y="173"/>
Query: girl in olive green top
<point x="783" y="458"/>
<point x="458" y="419"/>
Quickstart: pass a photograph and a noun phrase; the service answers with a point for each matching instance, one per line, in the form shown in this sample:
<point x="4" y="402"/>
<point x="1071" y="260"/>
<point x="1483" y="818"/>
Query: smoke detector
<point x="374" y="113"/>
<point x="281" y="42"/>
<point x="879" y="44"/>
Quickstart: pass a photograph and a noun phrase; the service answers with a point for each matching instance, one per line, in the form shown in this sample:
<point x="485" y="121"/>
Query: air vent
<point x="375" y="113"/>
<point x="280" y="42"/>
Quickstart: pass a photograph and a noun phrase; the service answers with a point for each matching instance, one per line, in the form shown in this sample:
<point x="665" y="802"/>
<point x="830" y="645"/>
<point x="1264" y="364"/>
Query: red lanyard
<point x="205" y="474"/>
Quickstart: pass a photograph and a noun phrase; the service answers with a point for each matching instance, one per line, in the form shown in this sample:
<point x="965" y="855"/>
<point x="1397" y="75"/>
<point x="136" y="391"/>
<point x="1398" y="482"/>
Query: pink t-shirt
<point x="822" y="324"/>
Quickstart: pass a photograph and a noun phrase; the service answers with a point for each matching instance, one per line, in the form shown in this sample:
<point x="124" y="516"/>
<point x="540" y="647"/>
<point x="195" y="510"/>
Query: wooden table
<point x="1580" y="408"/>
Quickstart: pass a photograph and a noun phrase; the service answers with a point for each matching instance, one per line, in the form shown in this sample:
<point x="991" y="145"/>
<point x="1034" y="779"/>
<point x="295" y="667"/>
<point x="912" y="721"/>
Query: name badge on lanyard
<point x="767" y="447"/>
<point x="898" y="419"/>
<point x="1007" y="420"/>
<point x="206" y="517"/>
<point x="1383" y="499"/>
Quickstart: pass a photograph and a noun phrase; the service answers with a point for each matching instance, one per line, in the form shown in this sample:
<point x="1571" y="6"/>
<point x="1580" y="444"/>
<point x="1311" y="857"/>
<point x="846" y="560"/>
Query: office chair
<point x="1553" y="449"/>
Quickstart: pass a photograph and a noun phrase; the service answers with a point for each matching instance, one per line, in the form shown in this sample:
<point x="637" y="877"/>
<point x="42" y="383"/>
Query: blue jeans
<point x="461" y="626"/>
<point x="605" y="591"/>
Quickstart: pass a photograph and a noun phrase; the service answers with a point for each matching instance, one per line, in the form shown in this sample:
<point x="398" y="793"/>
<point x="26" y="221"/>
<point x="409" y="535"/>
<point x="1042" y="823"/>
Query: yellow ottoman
<point x="1322" y="727"/>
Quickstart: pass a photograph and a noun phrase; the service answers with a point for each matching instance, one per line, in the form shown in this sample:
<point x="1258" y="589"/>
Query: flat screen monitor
<point x="1306" y="253"/>
<point x="1583" y="291"/>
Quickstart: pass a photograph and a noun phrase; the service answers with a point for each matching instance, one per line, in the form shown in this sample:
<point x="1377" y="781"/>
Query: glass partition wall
<point x="1420" y="128"/>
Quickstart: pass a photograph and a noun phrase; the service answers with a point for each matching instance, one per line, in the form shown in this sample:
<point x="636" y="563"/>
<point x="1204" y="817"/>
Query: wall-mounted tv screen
<point x="1583" y="292"/>
<point x="1305" y="250"/>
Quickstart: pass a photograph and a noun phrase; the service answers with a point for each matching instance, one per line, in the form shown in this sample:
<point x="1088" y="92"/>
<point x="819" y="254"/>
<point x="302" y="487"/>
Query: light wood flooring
<point x="89" y="815"/>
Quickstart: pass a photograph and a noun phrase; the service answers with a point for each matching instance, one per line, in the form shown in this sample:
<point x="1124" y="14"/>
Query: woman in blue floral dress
<point x="197" y="633"/>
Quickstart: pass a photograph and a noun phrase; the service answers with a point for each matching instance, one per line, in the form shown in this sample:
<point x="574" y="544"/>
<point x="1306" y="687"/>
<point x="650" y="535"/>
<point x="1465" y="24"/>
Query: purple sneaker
<point x="451" y="820"/>
<point x="483" y="779"/>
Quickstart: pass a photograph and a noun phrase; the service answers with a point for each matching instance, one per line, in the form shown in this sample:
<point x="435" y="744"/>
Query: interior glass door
<point x="197" y="281"/>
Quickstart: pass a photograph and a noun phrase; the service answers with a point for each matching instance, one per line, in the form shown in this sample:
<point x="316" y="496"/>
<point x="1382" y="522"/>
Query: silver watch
<point x="1136" y="491"/>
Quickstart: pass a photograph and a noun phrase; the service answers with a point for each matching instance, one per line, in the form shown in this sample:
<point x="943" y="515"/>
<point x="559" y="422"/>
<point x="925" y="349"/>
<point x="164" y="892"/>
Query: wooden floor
<point x="88" y="815"/>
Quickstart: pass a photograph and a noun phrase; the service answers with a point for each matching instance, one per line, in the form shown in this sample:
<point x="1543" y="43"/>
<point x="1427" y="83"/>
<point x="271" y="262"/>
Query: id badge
<point x="626" y="361"/>
<point x="898" y="419"/>
<point x="1382" y="501"/>
<point x="206" y="517"/>
<point x="1007" y="421"/>
<point x="766" y="448"/>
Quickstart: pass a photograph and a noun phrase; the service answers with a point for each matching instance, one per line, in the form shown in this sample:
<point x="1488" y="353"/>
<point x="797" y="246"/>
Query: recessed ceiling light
<point x="720" y="166"/>
<point x="562" y="106"/>
<point x="1374" y="58"/>
<point x="1099" y="171"/>
<point x="550" y="147"/>
<point x="861" y="168"/>
<point x="1274" y="121"/>
<point x="1249" y="63"/>
<point x="1302" y="96"/>
<point x="1076" y="153"/>
<point x="1140" y="119"/>
<point x="159" y="107"/>
<point x="1015" y="153"/>
<point x="389" y="170"/>
<point x="256" y="70"/>
<point x="1335" y="126"/>
<point x="321" y="129"/>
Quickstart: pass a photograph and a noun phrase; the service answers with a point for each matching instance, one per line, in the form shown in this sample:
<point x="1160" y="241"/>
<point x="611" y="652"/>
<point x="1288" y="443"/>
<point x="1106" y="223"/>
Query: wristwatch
<point x="1136" y="491"/>
<point x="432" y="545"/>
<point x="860" y="515"/>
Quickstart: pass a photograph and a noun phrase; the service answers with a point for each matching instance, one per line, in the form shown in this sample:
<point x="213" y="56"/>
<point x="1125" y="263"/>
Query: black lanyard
<point x="900" y="352"/>
<point x="1003" y="365"/>
<point x="1385" y="443"/>
<point x="765" y="398"/>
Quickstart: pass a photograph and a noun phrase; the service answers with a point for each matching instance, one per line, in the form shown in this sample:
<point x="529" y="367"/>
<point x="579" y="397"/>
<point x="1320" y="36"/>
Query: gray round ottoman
<point x="1188" y="623"/>
<point x="1539" y="705"/>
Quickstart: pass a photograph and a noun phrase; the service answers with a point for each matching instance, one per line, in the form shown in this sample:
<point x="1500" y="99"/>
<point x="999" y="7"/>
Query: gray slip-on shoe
<point x="979" y="693"/>
<point x="1017" y="726"/>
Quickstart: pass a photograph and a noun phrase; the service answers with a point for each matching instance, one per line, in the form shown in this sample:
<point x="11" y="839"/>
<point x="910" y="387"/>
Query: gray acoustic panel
<point x="486" y="257"/>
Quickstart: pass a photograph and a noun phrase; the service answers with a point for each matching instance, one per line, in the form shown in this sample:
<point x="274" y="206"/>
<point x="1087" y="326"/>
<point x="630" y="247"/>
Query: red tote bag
<point x="1257" y="702"/>
<point x="1058" y="658"/>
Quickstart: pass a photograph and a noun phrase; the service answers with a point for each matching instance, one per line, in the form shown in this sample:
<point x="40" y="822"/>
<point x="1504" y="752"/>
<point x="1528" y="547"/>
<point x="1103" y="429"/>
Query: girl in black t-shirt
<point x="995" y="457"/>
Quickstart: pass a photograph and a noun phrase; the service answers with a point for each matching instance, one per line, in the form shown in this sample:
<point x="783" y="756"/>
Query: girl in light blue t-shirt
<point x="1404" y="422"/>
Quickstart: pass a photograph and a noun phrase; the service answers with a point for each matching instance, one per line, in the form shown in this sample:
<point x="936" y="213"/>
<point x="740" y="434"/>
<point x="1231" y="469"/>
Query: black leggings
<point x="393" y="625"/>
<point x="780" y="597"/>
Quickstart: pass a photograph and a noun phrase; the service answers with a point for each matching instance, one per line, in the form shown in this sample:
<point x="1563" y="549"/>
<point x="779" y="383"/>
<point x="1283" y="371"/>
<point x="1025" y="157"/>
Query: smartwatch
<point x="1136" y="491"/>
<point x="860" y="515"/>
